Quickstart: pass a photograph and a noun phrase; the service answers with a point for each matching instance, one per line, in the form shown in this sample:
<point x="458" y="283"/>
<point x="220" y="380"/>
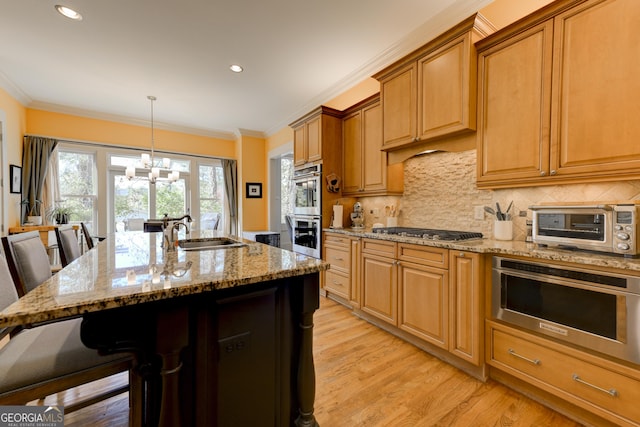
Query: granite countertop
<point x="513" y="247"/>
<point x="131" y="268"/>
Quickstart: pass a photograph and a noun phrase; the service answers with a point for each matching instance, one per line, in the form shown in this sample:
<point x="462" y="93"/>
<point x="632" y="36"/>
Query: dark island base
<point x="241" y="356"/>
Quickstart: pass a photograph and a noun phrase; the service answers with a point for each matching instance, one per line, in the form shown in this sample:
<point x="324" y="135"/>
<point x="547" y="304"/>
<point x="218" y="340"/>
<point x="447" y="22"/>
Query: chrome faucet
<point x="170" y="228"/>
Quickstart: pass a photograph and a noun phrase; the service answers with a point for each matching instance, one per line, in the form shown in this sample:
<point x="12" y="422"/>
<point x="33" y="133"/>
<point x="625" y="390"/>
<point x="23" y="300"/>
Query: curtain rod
<point x="125" y="147"/>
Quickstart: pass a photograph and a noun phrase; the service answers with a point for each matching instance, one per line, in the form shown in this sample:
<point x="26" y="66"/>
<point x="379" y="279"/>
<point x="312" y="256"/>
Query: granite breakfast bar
<point x="220" y="337"/>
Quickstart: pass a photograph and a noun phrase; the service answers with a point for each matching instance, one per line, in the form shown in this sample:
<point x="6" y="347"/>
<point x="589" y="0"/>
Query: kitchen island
<point x="220" y="337"/>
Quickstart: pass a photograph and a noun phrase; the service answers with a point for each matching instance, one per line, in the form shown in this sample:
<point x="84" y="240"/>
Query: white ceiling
<point x="296" y="54"/>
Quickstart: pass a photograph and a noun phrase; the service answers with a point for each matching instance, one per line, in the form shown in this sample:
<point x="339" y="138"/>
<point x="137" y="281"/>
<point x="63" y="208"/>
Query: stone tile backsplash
<point x="440" y="192"/>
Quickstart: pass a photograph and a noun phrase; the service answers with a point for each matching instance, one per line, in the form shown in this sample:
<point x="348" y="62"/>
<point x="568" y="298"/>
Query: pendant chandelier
<point x="149" y="163"/>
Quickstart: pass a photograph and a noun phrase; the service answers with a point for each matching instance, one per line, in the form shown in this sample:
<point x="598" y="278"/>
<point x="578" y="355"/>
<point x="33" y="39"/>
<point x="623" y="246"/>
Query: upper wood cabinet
<point x="431" y="93"/>
<point x="365" y="168"/>
<point x="316" y="135"/>
<point x="558" y="94"/>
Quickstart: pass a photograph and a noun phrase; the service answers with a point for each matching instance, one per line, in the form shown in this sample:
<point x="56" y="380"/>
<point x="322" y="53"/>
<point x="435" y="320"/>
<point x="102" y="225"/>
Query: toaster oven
<point x="611" y="228"/>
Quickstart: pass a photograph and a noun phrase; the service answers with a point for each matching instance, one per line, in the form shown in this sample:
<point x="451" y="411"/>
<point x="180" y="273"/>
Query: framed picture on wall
<point x="254" y="190"/>
<point x="15" y="178"/>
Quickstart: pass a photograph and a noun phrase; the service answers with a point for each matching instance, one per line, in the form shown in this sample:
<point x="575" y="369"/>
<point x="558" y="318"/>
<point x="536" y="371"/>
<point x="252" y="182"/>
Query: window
<point x="137" y="199"/>
<point x="286" y="189"/>
<point x="211" y="196"/>
<point x="77" y="183"/>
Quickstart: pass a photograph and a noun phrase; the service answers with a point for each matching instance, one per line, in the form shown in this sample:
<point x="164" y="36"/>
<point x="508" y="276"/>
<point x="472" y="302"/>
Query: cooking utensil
<point x="490" y="211"/>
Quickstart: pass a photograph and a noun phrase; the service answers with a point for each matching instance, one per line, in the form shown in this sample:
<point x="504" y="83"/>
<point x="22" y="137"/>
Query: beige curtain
<point x="36" y="152"/>
<point x="51" y="188"/>
<point x="230" y="169"/>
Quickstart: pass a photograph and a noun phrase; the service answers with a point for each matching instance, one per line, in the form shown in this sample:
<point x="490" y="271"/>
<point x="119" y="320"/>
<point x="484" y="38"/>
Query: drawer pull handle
<point x="338" y="258"/>
<point x="613" y="392"/>
<point x="533" y="361"/>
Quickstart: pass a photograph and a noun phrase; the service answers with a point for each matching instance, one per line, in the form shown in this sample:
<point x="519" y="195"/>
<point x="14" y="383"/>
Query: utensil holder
<point x="503" y="230"/>
<point x="392" y="221"/>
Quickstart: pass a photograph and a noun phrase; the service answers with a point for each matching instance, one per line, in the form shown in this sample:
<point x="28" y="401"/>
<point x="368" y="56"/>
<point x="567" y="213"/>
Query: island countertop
<point x="502" y="247"/>
<point x="132" y="268"/>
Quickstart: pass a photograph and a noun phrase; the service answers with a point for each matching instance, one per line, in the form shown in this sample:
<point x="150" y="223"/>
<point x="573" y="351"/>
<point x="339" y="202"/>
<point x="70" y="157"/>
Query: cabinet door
<point x="424" y="302"/>
<point x="466" y="314"/>
<point x="596" y="89"/>
<point x="352" y="153"/>
<point x="446" y="94"/>
<point x="314" y="139"/>
<point x="399" y="106"/>
<point x="299" y="146"/>
<point x="379" y="287"/>
<point x="514" y="90"/>
<point x="374" y="164"/>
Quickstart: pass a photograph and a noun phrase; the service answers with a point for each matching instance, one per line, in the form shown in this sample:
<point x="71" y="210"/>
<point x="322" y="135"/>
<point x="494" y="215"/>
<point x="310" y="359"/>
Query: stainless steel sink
<point x="207" y="244"/>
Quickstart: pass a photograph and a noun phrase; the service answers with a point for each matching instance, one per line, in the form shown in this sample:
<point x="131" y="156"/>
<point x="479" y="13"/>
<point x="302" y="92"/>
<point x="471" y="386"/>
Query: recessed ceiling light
<point x="236" y="68"/>
<point x="68" y="12"/>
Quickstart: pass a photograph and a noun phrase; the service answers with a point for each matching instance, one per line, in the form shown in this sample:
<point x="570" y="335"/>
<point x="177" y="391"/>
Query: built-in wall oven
<point x="307" y="190"/>
<point x="593" y="309"/>
<point x="307" y="210"/>
<point x="306" y="235"/>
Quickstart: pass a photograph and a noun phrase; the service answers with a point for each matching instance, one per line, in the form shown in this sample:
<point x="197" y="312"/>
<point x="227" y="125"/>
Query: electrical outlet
<point x="478" y="212"/>
<point x="234" y="345"/>
<point x="522" y="213"/>
<point x="375" y="212"/>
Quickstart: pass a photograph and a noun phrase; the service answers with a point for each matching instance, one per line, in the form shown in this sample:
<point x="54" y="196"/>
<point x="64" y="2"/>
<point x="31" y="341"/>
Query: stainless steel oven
<point x="306" y="235"/>
<point x="307" y="190"/>
<point x="593" y="309"/>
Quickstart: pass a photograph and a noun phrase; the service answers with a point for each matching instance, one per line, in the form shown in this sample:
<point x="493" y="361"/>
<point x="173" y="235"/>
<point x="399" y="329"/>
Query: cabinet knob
<point x="461" y="254"/>
<point x="542" y="173"/>
<point x="553" y="172"/>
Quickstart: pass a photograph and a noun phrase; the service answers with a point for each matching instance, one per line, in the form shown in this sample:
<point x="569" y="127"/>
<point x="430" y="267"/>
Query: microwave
<point x="611" y="228"/>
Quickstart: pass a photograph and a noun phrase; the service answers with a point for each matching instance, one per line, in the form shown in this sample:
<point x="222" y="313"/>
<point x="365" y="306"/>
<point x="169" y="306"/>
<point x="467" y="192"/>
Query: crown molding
<point x="14" y="90"/>
<point x="429" y="30"/>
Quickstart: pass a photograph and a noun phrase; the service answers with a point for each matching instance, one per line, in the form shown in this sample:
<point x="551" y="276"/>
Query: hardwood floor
<point x="367" y="377"/>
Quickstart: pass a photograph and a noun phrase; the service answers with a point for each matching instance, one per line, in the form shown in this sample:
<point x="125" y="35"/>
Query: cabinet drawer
<point x="610" y="393"/>
<point x="336" y="240"/>
<point x="379" y="247"/>
<point x="337" y="283"/>
<point x="339" y="258"/>
<point x="425" y="255"/>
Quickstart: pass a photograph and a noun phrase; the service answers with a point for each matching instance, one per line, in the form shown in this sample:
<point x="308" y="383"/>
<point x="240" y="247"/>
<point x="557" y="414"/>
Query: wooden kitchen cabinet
<point x="466" y="314"/>
<point x="317" y="136"/>
<point x="342" y="279"/>
<point x="431" y="92"/>
<point x="365" y="168"/>
<point x="434" y="294"/>
<point x="557" y="96"/>
<point x="602" y="387"/>
<point x="424" y="294"/>
<point x="379" y="280"/>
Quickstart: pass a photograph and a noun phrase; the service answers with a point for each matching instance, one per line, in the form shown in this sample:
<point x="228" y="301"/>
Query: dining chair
<point x="88" y="238"/>
<point x="68" y="246"/>
<point x="50" y="358"/>
<point x="27" y="259"/>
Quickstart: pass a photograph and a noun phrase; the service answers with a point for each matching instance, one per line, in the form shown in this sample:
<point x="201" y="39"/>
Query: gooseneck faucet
<point x="171" y="226"/>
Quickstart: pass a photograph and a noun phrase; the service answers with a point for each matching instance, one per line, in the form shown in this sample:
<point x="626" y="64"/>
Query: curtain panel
<point x="230" y="168"/>
<point x="36" y="152"/>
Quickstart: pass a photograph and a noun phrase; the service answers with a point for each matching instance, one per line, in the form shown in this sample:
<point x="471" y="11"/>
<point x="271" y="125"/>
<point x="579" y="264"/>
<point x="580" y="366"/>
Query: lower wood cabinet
<point x="605" y="388"/>
<point x="379" y="280"/>
<point x="424" y="302"/>
<point x="342" y="279"/>
<point x="434" y="294"/>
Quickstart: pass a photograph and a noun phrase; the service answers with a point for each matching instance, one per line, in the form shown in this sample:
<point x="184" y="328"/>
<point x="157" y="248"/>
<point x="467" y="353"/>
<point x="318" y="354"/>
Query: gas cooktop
<point x="429" y="233"/>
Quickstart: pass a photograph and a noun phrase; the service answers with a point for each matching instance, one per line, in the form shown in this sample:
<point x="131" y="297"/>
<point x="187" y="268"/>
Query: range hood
<point x="458" y="143"/>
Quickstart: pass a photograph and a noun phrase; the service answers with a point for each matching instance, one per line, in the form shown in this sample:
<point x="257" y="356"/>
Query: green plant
<point x="32" y="209"/>
<point x="59" y="214"/>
